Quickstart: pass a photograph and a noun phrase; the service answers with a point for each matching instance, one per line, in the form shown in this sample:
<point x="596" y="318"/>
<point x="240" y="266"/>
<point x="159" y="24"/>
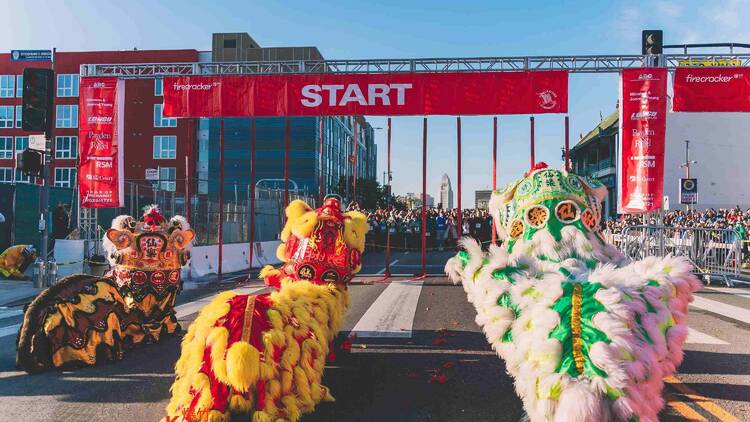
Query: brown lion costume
<point x="85" y="320"/>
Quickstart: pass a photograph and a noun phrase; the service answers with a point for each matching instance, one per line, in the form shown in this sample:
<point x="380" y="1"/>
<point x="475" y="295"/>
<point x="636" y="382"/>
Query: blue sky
<point x="397" y="29"/>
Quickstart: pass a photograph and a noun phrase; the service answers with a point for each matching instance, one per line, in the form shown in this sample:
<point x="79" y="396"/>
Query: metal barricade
<point x="714" y="252"/>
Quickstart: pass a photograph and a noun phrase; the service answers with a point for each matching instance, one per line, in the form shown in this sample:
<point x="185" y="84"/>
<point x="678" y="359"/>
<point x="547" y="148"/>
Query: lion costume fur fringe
<point x="264" y="354"/>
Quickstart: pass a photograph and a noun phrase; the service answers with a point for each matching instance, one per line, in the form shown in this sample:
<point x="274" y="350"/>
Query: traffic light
<point x="38" y="86"/>
<point x="652" y="41"/>
<point x="31" y="162"/>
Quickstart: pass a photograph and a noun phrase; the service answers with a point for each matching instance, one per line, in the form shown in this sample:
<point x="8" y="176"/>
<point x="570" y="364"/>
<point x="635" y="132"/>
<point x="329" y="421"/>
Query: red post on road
<point x="424" y="197"/>
<point x="494" y="173"/>
<point x="354" y="165"/>
<point x="459" y="216"/>
<point x="567" y="143"/>
<point x="531" y="123"/>
<point x="188" y="156"/>
<point x="252" y="192"/>
<point x="221" y="197"/>
<point x="287" y="141"/>
<point x="388" y="202"/>
<point x="322" y="165"/>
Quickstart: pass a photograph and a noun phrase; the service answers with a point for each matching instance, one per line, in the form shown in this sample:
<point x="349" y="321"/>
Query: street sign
<point x="152" y="174"/>
<point x="688" y="191"/>
<point x="35" y="55"/>
<point x="38" y="142"/>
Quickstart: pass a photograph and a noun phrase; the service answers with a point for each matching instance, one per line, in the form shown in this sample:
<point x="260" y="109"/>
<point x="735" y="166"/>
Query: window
<point x="19" y="86"/>
<point x="167" y="176"/>
<point x="7" y="86"/>
<point x="6" y="174"/>
<point x="22" y="178"/>
<point x="65" y="177"/>
<point x="159" y="87"/>
<point x="22" y="142"/>
<point x="161" y="121"/>
<point x="67" y="85"/>
<point x="6" y="116"/>
<point x="232" y="43"/>
<point x="19" y="116"/>
<point x="6" y="147"/>
<point x="66" y="116"/>
<point x="165" y="147"/>
<point x="66" y="147"/>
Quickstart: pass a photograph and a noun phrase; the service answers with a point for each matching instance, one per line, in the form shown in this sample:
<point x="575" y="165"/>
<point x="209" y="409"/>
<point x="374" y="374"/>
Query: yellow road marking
<point x="683" y="409"/>
<point x="701" y="401"/>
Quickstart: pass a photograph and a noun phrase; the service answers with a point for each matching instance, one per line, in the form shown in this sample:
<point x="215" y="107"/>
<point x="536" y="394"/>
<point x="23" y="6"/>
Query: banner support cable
<point x="531" y="127"/>
<point x="459" y="215"/>
<point x="494" y="173"/>
<point x="388" y="206"/>
<point x="424" y="197"/>
<point x="567" y="143"/>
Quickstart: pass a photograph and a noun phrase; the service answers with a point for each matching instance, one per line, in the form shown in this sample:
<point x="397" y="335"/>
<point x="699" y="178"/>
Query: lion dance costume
<point x="85" y="320"/>
<point x="587" y="334"/>
<point x="264" y="354"/>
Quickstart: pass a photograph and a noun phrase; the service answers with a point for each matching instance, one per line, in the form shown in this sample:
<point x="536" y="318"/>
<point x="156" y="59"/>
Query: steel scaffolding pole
<point x="573" y="64"/>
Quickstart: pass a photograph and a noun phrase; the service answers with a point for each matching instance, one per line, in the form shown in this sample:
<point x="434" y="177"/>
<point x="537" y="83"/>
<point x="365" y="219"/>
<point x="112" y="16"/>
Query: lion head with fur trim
<point x="321" y="245"/>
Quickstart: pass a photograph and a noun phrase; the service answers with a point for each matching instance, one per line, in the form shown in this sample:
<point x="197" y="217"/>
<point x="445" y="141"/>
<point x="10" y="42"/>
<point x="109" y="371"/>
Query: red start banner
<point x="391" y="94"/>
<point x="711" y="89"/>
<point x="643" y="108"/>
<point x="100" y="135"/>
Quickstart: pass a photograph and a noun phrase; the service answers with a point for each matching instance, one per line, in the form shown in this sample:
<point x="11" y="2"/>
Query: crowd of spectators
<point x="723" y="218"/>
<point x="442" y="230"/>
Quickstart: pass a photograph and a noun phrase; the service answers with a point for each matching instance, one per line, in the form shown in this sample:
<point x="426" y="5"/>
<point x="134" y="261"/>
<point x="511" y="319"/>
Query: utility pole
<point x="44" y="220"/>
<point x="687" y="164"/>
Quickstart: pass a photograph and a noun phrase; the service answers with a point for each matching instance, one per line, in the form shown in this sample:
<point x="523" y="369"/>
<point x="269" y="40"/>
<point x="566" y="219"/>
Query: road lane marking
<point x="700" y="400"/>
<point x="392" y="313"/>
<point x="364" y="348"/>
<point x="730" y="311"/>
<point x="183" y="311"/>
<point x="697" y="337"/>
<point x="10" y="313"/>
<point x="9" y="330"/>
<point x="391" y="265"/>
<point x="731" y="290"/>
<point x="683" y="409"/>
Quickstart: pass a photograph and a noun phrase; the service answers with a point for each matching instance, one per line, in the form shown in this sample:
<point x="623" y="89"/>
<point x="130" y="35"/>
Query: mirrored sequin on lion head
<point x="149" y="251"/>
<point x="547" y="199"/>
<point x="321" y="245"/>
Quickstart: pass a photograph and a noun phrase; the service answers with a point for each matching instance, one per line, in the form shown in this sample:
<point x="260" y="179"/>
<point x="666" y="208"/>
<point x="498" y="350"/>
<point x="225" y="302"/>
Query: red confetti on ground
<point x="440" y="379"/>
<point x="346" y="345"/>
<point x="331" y="356"/>
<point x="439" y="341"/>
<point x="448" y="365"/>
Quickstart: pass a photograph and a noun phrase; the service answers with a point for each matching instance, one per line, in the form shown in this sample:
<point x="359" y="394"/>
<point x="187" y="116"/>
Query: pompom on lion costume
<point x="263" y="355"/>
<point x="85" y="320"/>
<point x="587" y="334"/>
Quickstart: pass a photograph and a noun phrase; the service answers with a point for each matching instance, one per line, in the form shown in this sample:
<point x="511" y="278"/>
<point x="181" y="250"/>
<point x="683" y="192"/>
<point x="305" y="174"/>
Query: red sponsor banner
<point x="643" y="108"/>
<point x="100" y="128"/>
<point x="392" y="94"/>
<point x="711" y="89"/>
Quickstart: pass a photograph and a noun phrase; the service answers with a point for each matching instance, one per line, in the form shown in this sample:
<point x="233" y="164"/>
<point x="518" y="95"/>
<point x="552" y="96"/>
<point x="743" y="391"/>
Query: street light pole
<point x="687" y="164"/>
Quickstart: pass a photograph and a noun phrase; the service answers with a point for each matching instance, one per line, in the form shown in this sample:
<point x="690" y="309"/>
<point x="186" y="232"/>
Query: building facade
<point x="446" y="193"/>
<point x="150" y="140"/>
<point x="184" y="153"/>
<point x="482" y="199"/>
<point x="304" y="156"/>
<point x="718" y="142"/>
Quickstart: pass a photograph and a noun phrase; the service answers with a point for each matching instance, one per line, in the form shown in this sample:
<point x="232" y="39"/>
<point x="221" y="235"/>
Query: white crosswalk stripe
<point x="731" y="290"/>
<point x="184" y="310"/>
<point x="697" y="337"/>
<point x="392" y="313"/>
<point x="721" y="308"/>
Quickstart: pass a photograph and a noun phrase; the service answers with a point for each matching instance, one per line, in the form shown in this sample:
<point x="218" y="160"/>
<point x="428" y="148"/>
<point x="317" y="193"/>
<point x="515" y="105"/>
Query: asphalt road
<point x="423" y="360"/>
